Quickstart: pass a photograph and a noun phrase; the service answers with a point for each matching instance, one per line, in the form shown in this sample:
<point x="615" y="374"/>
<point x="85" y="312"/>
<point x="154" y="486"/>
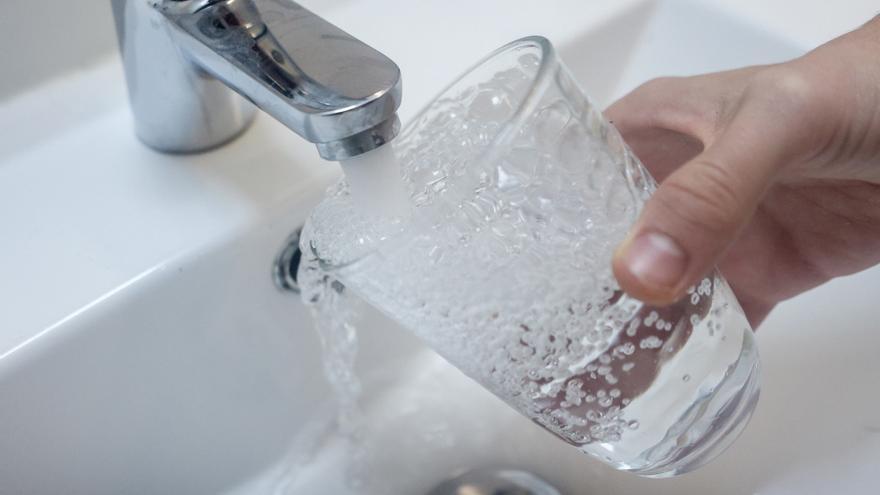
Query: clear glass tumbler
<point x="520" y="190"/>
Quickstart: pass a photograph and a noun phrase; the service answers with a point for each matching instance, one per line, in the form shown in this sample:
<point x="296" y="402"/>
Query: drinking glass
<point x="519" y="192"/>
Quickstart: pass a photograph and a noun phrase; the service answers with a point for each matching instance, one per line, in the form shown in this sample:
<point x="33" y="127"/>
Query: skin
<point x="770" y="172"/>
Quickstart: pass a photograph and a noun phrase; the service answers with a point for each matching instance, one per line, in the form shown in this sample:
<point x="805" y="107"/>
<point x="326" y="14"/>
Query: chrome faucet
<point x="196" y="68"/>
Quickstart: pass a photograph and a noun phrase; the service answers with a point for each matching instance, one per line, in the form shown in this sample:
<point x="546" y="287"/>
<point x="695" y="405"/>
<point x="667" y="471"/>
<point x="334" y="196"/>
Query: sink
<point x="145" y="349"/>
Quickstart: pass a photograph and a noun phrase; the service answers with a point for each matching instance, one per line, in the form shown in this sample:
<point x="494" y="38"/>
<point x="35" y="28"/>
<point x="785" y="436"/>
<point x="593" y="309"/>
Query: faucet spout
<point x="185" y="58"/>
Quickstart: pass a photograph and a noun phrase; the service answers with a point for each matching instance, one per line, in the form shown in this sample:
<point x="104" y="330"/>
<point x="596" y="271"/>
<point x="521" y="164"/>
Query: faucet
<point x="196" y="68"/>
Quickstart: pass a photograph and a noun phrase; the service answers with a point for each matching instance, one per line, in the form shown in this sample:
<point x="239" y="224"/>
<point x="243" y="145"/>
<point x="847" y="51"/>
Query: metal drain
<point x="287" y="264"/>
<point x="495" y="482"/>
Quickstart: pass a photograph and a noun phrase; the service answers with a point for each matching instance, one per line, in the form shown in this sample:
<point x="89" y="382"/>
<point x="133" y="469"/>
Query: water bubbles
<point x="633" y="327"/>
<point x="686" y="378"/>
<point x="652" y="342"/>
<point x="573" y="393"/>
<point x="507" y="179"/>
<point x="438" y="185"/>
<point x="581" y="438"/>
<point x="574" y="151"/>
<point x="529" y="62"/>
<point x="550" y="122"/>
<point x="618" y="205"/>
<point x="491" y="104"/>
<point x="705" y="287"/>
<point x="633" y="425"/>
<point x="627" y="348"/>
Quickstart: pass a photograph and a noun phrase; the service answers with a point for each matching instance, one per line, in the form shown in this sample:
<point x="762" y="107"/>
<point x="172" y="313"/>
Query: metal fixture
<point x="495" y="482"/>
<point x="286" y="264"/>
<point x="196" y="68"/>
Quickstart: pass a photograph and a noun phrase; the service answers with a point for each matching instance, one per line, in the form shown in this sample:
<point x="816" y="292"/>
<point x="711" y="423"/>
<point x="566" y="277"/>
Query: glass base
<point x="712" y="426"/>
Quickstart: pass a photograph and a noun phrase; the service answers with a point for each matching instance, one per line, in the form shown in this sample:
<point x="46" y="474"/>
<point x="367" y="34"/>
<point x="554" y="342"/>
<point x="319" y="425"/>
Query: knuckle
<point x="792" y="93"/>
<point x="646" y="97"/>
<point x="667" y="102"/>
<point x="659" y="83"/>
<point x="705" y="200"/>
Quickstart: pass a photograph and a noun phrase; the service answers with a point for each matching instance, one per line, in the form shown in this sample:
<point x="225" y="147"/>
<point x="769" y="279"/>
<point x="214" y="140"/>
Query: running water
<point x="333" y="314"/>
<point x="377" y="192"/>
<point x="375" y="183"/>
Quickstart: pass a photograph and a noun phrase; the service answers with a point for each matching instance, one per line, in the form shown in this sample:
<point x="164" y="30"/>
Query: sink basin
<point x="145" y="349"/>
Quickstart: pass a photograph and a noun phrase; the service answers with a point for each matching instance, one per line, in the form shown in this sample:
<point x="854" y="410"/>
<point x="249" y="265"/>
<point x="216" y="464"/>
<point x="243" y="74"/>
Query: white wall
<point x="41" y="38"/>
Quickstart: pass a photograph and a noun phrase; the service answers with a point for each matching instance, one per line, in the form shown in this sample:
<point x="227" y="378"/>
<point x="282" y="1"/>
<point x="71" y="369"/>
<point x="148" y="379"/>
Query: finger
<point x="699" y="210"/>
<point x="680" y="104"/>
<point x="666" y="121"/>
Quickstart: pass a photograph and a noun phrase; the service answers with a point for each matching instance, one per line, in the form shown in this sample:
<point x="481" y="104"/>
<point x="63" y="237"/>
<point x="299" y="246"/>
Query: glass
<point x="520" y="191"/>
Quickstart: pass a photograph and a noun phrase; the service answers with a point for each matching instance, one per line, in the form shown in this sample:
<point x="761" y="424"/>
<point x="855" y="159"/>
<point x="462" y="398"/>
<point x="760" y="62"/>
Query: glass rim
<point x="538" y="84"/>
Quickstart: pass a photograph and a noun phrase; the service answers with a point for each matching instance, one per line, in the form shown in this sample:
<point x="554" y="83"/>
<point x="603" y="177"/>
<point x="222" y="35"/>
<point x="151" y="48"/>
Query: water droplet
<point x="652" y="342"/>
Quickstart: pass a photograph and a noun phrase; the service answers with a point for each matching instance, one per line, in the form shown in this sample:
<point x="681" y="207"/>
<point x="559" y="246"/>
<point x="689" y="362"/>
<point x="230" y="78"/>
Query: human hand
<point x="770" y="172"/>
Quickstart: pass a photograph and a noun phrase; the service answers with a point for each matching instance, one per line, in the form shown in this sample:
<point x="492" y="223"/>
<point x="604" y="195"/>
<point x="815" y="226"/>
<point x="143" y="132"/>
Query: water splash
<point x="333" y="312"/>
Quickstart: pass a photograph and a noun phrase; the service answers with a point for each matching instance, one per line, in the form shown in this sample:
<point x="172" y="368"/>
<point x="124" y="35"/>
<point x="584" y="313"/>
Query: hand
<point x="770" y="172"/>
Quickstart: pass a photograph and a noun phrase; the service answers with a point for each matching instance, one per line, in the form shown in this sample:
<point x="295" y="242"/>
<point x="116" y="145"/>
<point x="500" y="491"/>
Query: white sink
<point x="144" y="348"/>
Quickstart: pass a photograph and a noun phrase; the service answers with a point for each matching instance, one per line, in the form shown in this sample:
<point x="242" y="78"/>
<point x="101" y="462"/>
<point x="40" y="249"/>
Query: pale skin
<point x="772" y="173"/>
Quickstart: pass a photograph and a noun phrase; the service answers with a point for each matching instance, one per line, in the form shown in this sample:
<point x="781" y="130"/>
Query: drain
<point x="495" y="482"/>
<point x="287" y="264"/>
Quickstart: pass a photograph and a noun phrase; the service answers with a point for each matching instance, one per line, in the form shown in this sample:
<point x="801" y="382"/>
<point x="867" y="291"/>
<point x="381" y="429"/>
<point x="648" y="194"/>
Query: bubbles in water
<point x="651" y="342"/>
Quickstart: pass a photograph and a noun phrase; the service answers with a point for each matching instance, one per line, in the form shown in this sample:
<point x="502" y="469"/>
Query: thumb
<point x="698" y="211"/>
